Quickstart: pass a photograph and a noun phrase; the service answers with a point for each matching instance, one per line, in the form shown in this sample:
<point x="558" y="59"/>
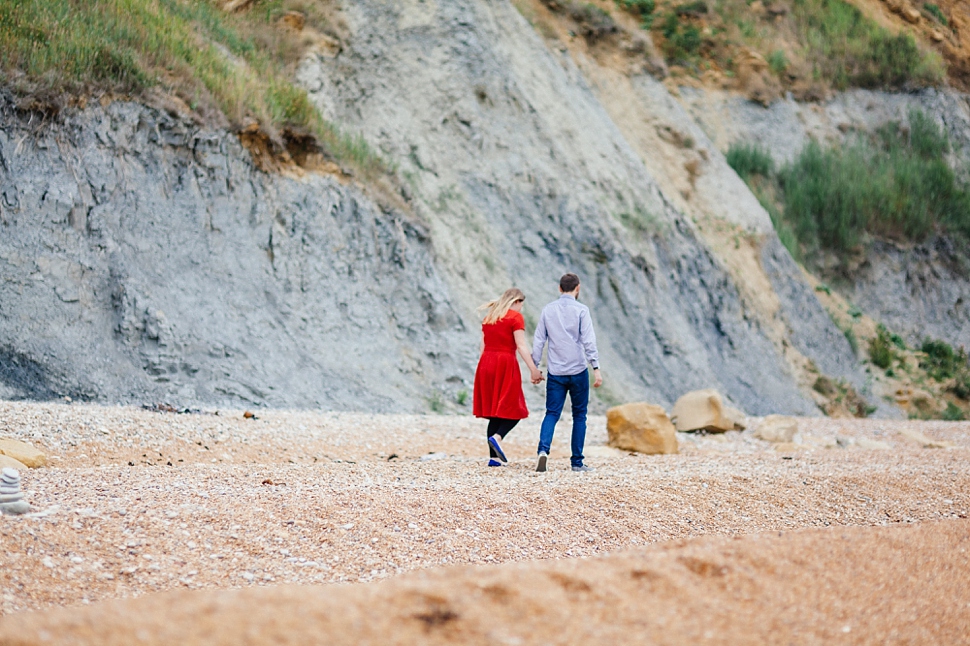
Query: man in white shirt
<point x="567" y="327"/>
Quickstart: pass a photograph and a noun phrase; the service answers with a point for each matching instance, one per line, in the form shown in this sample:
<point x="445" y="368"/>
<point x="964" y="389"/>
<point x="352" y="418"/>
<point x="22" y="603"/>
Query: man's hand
<point x="537" y="377"/>
<point x="597" y="378"/>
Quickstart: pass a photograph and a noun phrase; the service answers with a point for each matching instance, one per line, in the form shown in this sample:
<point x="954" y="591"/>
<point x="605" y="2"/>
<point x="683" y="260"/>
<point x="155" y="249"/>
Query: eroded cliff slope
<point x="146" y="258"/>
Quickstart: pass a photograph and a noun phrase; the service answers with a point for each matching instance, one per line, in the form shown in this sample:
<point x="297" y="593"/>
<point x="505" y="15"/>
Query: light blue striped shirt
<point x="568" y="328"/>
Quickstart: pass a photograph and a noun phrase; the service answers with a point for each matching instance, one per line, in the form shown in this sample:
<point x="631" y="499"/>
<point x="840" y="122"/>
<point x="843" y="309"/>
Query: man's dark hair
<point x="568" y="282"/>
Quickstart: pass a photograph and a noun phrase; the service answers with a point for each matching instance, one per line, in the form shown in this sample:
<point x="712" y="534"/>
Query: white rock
<point x="777" y="428"/>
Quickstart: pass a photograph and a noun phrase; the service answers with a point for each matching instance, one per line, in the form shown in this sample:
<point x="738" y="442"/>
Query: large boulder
<point x="641" y="427"/>
<point x="22" y="452"/>
<point x="777" y="428"/>
<point x="704" y="410"/>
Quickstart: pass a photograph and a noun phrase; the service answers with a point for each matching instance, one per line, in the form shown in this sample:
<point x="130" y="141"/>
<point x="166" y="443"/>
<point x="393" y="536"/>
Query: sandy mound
<point x="850" y="585"/>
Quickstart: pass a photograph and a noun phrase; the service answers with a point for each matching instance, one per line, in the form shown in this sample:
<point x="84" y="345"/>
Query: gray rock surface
<point x="916" y="291"/>
<point x="145" y="258"/>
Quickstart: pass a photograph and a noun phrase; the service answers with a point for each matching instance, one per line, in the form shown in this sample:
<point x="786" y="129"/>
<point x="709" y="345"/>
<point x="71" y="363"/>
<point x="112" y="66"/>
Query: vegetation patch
<point x="239" y="65"/>
<point x="846" y="48"/>
<point x="804" y="46"/>
<point x="937" y="13"/>
<point x="882" y="351"/>
<point x="895" y="185"/>
<point x="842" y="397"/>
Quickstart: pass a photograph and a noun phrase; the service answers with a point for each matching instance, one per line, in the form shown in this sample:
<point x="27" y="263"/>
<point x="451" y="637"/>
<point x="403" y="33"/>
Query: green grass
<point x="953" y="413"/>
<point x="851" y="338"/>
<point x="638" y="7"/>
<point x="644" y="9"/>
<point x="817" y="43"/>
<point x="936" y="12"/>
<point x="941" y="361"/>
<point x="682" y="39"/>
<point x="895" y="185"/>
<point x="881" y="346"/>
<point x="847" y="49"/>
<point x="239" y="65"/>
<point x="777" y="62"/>
<point x="748" y="160"/>
<point x="755" y="166"/>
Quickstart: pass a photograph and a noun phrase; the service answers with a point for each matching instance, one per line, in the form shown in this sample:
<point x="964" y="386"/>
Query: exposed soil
<point x="835" y="585"/>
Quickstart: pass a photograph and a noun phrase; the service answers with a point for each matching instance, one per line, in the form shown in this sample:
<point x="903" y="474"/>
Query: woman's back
<point x="499" y="336"/>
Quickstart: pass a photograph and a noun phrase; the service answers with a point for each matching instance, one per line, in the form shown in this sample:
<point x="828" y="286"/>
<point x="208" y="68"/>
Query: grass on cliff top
<point x="807" y="45"/>
<point x="895" y="185"/>
<point x="237" y="64"/>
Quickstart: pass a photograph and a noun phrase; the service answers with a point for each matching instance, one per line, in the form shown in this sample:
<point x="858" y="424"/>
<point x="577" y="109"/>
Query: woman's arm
<point x="523" y="347"/>
<point x="481" y="344"/>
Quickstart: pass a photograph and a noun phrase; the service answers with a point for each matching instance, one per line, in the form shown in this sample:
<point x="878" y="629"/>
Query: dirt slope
<point x="844" y="585"/>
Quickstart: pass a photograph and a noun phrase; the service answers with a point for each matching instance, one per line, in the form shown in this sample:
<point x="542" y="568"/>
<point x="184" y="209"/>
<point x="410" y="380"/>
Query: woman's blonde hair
<point x="498" y="308"/>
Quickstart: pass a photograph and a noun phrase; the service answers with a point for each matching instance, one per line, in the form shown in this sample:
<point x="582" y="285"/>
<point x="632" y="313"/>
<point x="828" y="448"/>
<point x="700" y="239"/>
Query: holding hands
<point x="537" y="377"/>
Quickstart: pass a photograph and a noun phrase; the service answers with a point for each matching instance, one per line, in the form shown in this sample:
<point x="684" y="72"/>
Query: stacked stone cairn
<point x="11" y="497"/>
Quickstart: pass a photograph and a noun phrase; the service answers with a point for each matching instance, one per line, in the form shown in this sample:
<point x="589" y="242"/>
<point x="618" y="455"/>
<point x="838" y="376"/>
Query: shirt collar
<point x="567" y="296"/>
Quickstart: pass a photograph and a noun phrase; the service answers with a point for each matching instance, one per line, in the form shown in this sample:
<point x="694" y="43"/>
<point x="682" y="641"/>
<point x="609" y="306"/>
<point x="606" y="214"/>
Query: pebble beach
<point x="136" y="501"/>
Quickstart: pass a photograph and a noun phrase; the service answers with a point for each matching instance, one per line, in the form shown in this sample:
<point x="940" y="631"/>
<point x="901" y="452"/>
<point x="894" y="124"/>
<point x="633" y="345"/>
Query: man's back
<point x="566" y="325"/>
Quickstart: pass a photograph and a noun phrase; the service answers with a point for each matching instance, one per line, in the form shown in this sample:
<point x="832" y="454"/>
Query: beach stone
<point x="23" y="452"/>
<point x="11" y="497"/>
<point x="736" y="417"/>
<point x="641" y="427"/>
<point x="8" y="462"/>
<point x="701" y="410"/>
<point x="923" y="440"/>
<point x="15" y="508"/>
<point x="789" y="447"/>
<point x="777" y="428"/>
<point x="603" y="452"/>
<point x="872" y="445"/>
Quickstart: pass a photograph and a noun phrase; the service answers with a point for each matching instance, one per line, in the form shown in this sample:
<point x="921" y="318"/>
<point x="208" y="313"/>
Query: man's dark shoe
<point x="541" y="466"/>
<point x="493" y="442"/>
<point x="492" y="462"/>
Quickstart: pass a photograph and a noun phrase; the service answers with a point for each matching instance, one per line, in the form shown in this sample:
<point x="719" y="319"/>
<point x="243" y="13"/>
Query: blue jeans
<point x="556" y="388"/>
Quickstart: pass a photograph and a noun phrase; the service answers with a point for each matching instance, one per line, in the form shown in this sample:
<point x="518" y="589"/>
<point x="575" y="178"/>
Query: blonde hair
<point x="500" y="306"/>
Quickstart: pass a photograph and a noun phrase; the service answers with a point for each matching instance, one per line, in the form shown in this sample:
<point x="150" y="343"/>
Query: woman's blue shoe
<point x="495" y="463"/>
<point x="493" y="442"/>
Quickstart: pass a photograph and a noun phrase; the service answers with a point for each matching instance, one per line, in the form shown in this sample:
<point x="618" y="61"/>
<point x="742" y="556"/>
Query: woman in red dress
<point x="498" y="382"/>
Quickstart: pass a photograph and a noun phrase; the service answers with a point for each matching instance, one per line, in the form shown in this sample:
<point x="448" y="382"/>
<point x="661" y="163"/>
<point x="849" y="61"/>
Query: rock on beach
<point x="777" y="428"/>
<point x="704" y="410"/>
<point x="641" y="427"/>
<point x="23" y="453"/>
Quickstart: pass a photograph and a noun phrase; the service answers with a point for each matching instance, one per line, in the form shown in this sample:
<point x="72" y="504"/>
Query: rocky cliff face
<point x="145" y="258"/>
<point x="523" y="170"/>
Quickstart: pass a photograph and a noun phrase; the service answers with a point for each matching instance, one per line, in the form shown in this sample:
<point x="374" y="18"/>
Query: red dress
<point x="498" y="381"/>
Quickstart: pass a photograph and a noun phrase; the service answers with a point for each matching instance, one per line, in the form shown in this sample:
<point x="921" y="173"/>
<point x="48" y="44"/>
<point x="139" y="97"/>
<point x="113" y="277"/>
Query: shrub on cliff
<point x="750" y="159"/>
<point x="896" y="185"/>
